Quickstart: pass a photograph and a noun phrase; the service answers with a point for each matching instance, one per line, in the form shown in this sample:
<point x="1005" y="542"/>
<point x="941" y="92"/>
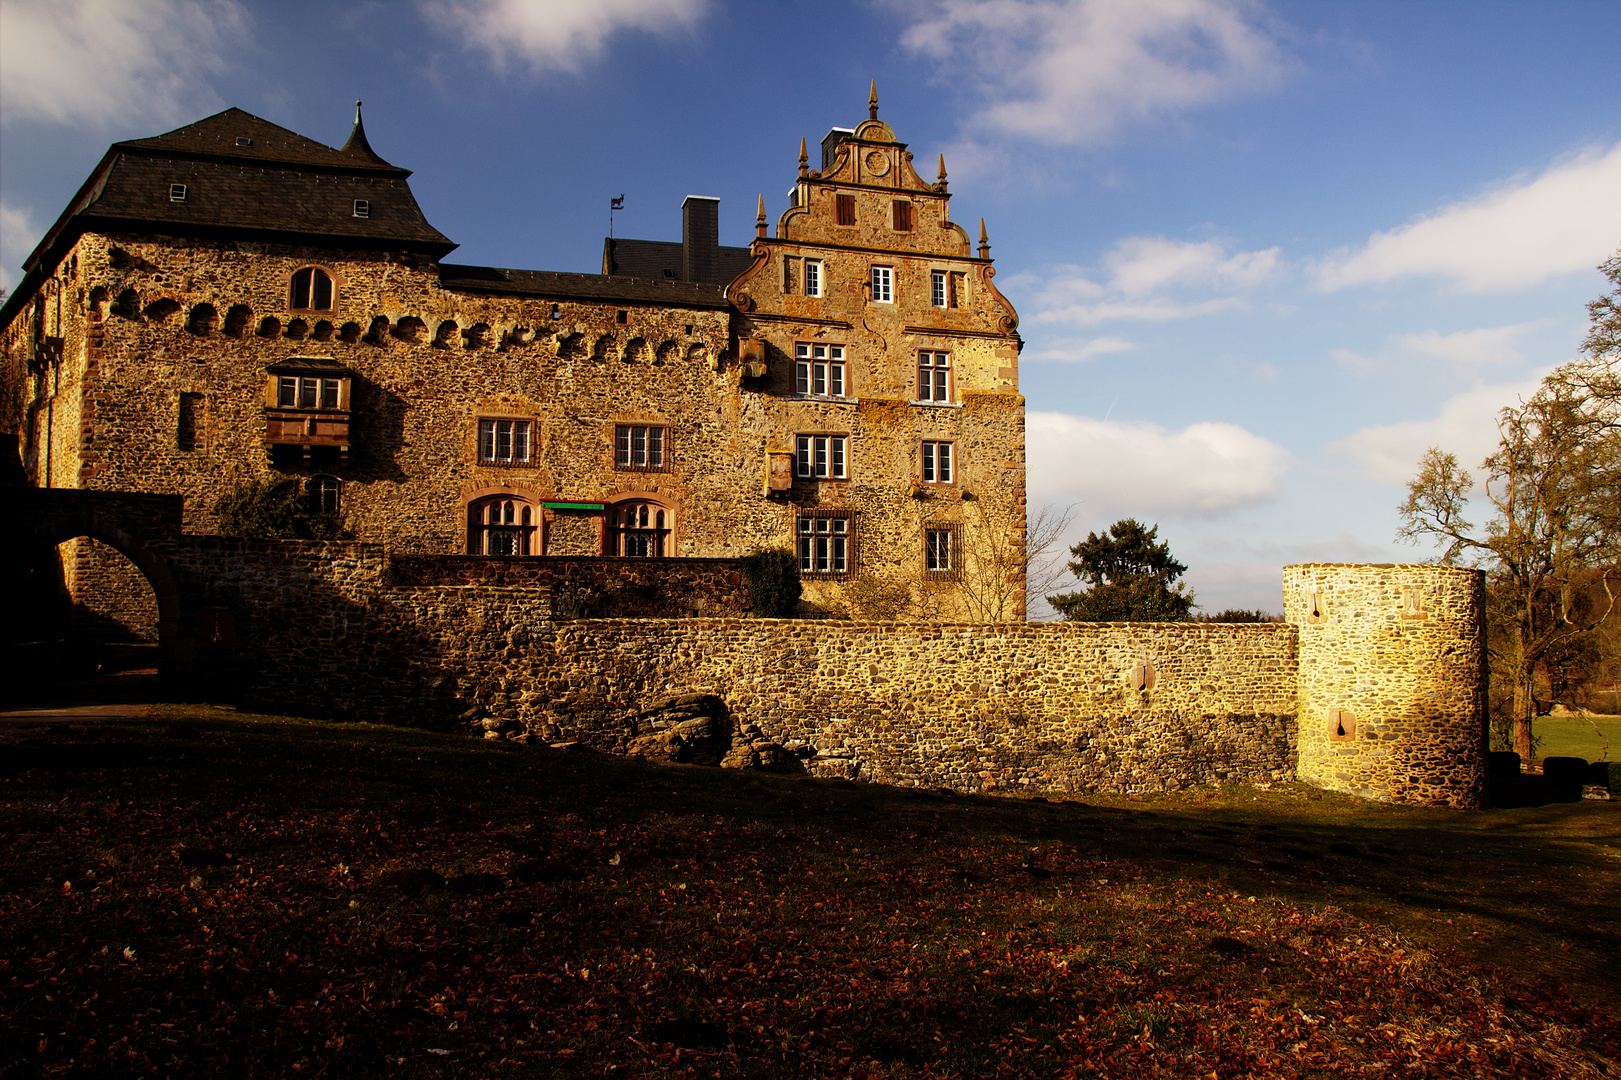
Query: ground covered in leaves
<point x="213" y="894"/>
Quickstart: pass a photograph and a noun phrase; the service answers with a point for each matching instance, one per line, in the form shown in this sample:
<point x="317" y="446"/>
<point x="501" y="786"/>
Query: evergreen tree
<point x="1129" y="578"/>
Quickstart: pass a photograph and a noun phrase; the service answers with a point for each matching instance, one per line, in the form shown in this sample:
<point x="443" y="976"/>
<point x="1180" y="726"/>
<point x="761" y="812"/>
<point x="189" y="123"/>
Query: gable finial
<point x="872" y="102"/>
<point x="942" y="170"/>
<point x="984" y="244"/>
<point x="357" y="110"/>
<point x="804" y="158"/>
<point x="759" y="218"/>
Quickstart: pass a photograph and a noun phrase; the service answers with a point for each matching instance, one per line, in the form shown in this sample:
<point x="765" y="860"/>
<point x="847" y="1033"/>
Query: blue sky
<point x="1264" y="255"/>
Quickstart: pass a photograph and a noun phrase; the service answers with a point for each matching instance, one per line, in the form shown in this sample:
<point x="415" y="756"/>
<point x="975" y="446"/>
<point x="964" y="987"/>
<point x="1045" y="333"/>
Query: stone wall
<point x="583" y="587"/>
<point x="1392" y="680"/>
<point x="971" y="707"/>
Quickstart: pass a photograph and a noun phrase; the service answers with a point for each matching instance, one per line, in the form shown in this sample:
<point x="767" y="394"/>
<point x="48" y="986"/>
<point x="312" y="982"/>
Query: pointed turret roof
<point x="357" y="148"/>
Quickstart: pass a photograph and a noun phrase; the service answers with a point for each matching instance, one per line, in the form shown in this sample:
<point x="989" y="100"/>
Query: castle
<point x="549" y="477"/>
<point x="232" y="301"/>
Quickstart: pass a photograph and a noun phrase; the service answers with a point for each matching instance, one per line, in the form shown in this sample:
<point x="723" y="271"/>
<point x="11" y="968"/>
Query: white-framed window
<point x="363" y="208"/>
<point x="933" y="376"/>
<point x="177" y="192"/>
<point x="638" y="529"/>
<point x="883" y="284"/>
<point x="821" y="457"/>
<point x="824" y="544"/>
<point x="940" y="550"/>
<point x="813" y="277"/>
<point x="506" y="442"/>
<point x="312" y="290"/>
<point x="306" y="392"/>
<point x="937" y="463"/>
<point x="639" y="446"/>
<point x="819" y="369"/>
<point x="501" y="525"/>
<point x="938" y="288"/>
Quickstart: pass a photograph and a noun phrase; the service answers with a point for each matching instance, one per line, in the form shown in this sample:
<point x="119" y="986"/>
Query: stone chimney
<point x="830" y="146"/>
<point x="700" y="238"/>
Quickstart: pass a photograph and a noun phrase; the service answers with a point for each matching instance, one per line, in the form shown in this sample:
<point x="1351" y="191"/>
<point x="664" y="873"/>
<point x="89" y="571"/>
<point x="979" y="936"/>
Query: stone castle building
<point x="231" y="301"/>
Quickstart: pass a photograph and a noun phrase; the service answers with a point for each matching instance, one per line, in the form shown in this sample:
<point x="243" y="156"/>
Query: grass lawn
<point x="216" y="894"/>
<point x="1596" y="738"/>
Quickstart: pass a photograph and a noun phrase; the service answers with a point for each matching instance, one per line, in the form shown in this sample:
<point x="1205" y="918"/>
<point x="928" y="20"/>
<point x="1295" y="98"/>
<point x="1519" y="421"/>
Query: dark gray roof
<point x="220" y="135"/>
<point x="552" y="285"/>
<point x="661" y="259"/>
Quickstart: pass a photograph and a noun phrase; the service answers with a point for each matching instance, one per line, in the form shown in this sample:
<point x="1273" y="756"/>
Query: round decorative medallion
<point x="877" y="162"/>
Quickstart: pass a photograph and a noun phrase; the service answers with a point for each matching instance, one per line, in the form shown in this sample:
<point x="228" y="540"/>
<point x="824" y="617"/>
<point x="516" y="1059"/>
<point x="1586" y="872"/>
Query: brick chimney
<point x="700" y="238"/>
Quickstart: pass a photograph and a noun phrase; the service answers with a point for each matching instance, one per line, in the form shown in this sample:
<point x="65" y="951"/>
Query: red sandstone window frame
<point x="942" y="552"/>
<point x="638" y="528"/>
<point x="503" y="525"/>
<point x="938" y="460"/>
<point x="307" y="284"/>
<point x="641" y="447"/>
<point x="822" y="456"/>
<point x="825" y="543"/>
<point x="820" y="370"/>
<point x="518" y="441"/>
<point x="935" y="381"/>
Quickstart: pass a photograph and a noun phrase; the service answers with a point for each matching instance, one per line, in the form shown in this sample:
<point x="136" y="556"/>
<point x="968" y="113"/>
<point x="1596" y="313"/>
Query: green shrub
<point x="275" y="509"/>
<point x="1606" y="774"/>
<point x="1564" y="772"/>
<point x="772" y="575"/>
<point x="1502" y="764"/>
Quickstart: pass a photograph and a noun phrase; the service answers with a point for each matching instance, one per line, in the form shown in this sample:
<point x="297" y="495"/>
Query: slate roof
<point x="553" y="285"/>
<point x="652" y="258"/>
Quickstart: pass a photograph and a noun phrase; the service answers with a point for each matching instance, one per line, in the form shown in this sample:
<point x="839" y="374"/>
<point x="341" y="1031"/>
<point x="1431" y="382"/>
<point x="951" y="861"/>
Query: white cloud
<point x="556" y="35"/>
<point x="107" y="62"/>
<point x="1132" y="467"/>
<point x="1566" y="220"/>
<point x="1356" y="363"/>
<point x="18" y="235"/>
<point x="1465" y="426"/>
<point x="1078" y="352"/>
<point x="1145" y="264"/>
<point x="1137" y="268"/>
<point x="1469" y="348"/>
<point x="1068" y="73"/>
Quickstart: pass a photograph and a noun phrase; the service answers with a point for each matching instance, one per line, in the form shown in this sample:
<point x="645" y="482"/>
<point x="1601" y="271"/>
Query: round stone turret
<point x="1392" y="700"/>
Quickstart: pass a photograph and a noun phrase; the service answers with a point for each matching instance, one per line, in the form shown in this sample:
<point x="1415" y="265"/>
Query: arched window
<point x="312" y="290"/>
<point x="501" y="525"/>
<point x="638" y="529"/>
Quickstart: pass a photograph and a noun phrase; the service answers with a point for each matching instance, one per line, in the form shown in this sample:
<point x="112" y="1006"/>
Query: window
<point x="937" y="288"/>
<point x="901" y="215"/>
<point x="940" y="551"/>
<point x="177" y="192"/>
<point x="322" y="493"/>
<point x="883" y="280"/>
<point x="936" y="462"/>
<point x="821" y="457"/>
<point x="312" y="290"/>
<point x="306" y="392"/>
<point x="638" y="446"/>
<point x="363" y="208"/>
<point x="933" y="376"/>
<point x="824" y="544"/>
<point x="190" y="420"/>
<point x="844" y="209"/>
<point x="502" y="525"/>
<point x="505" y="441"/>
<point x="819" y="370"/>
<point x="639" y="530"/>
<point x="813" y="277"/>
<point x="243" y="140"/>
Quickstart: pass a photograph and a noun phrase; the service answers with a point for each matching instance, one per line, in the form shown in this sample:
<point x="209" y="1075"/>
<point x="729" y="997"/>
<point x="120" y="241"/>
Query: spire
<point x="759" y="218"/>
<point x="357" y="144"/>
<point x="942" y="170"/>
<point x="804" y="158"/>
<point x="984" y="244"/>
<point x="872" y="102"/>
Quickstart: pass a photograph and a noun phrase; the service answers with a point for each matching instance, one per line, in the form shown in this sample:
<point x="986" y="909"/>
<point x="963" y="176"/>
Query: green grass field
<point x="1595" y="738"/>
<point x="215" y="894"/>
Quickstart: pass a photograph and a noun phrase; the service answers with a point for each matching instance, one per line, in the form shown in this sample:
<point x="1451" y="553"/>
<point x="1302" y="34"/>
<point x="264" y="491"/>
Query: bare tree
<point x="1003" y="564"/>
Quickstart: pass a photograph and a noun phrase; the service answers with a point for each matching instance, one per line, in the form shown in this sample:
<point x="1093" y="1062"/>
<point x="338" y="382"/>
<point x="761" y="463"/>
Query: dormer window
<point x="362" y="208"/>
<point x="243" y="140"/>
<point x="312" y="290"/>
<point x="177" y="192"/>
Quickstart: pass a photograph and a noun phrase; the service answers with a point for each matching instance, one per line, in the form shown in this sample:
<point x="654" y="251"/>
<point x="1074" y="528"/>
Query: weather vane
<point x="614" y="204"/>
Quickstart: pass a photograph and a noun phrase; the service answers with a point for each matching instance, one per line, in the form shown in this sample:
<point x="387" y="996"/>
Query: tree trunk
<point x="1525" y="708"/>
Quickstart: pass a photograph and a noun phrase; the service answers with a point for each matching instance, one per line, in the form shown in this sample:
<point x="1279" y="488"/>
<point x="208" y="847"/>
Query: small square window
<point x="243" y="140"/>
<point x="822" y="457"/>
<point x="177" y="192"/>
<point x="363" y="208"/>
